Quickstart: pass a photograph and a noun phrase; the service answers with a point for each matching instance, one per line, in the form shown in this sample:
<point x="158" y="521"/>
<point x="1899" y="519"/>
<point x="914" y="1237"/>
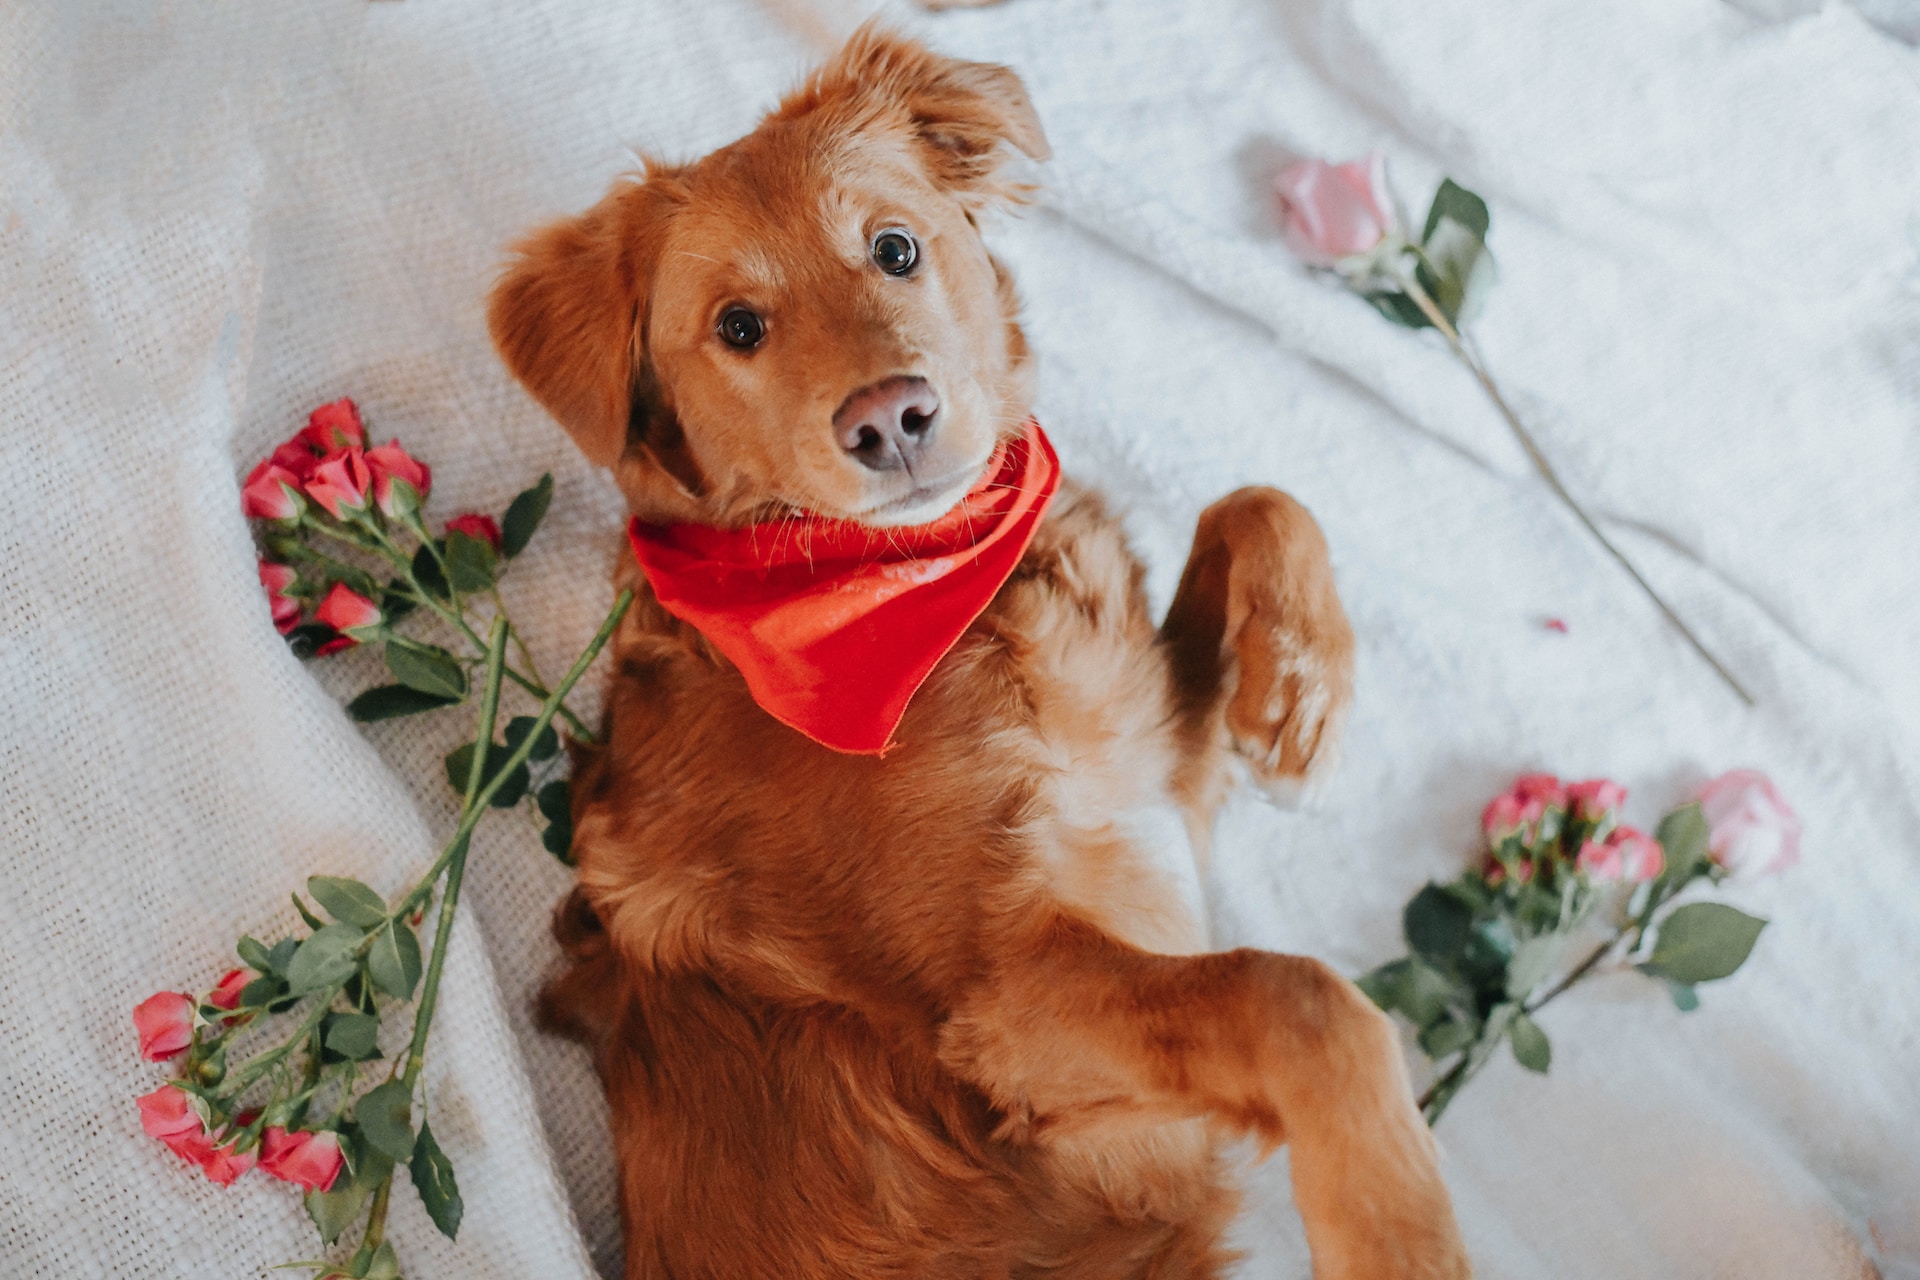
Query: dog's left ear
<point x="962" y="115"/>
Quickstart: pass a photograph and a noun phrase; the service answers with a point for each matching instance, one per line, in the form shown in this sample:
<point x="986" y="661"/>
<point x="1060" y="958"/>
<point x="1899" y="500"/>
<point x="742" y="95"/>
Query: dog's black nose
<point x="886" y="425"/>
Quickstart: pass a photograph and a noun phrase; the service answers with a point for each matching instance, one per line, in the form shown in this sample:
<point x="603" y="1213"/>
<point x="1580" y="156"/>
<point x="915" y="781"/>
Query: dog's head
<point x="806" y="319"/>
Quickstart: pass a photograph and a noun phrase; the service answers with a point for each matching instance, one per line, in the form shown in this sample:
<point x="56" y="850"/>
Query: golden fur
<point x="950" y="1012"/>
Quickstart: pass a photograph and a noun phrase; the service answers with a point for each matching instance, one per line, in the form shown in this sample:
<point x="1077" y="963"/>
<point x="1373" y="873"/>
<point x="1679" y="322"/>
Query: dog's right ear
<point x="569" y="315"/>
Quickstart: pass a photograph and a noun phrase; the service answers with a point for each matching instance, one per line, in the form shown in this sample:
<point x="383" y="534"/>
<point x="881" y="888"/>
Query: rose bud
<point x="478" y="527"/>
<point x="311" y="1159"/>
<point x="168" y="1115"/>
<point x="1641" y="857"/>
<point x="340" y="483"/>
<point x="1332" y="212"/>
<point x="351" y="614"/>
<point x="165" y="1023"/>
<point x="223" y="1164"/>
<point x="1548" y="790"/>
<point x="1508" y="813"/>
<point x="226" y="992"/>
<point x="271" y="492"/>
<point x="1600" y="861"/>
<point x="1751" y="829"/>
<point x="279" y="579"/>
<point x="334" y="426"/>
<point x="297" y="457"/>
<point x="1596" y="797"/>
<point x="400" y="481"/>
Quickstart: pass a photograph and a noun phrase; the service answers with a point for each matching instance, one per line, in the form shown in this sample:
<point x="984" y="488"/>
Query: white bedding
<point x="214" y="216"/>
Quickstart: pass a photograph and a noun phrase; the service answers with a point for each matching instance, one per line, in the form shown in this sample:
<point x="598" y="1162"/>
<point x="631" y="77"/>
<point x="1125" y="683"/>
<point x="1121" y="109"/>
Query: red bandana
<point x="836" y="625"/>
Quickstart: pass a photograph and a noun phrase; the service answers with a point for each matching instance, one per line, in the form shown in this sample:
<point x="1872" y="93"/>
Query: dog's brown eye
<point x="894" y="251"/>
<point x="741" y="328"/>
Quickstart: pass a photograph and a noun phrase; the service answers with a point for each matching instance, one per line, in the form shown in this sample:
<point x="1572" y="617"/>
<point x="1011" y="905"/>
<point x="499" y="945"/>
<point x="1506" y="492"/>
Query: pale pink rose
<point x="340" y="483"/>
<point x="311" y="1159"/>
<point x="1641" y="857"/>
<point x="1507" y="813"/>
<point x="1599" y="860"/>
<point x="271" y="492"/>
<point x="334" y="426"/>
<point x="389" y="463"/>
<point x="165" y="1023"/>
<point x="1751" y="829"/>
<point x="350" y="613"/>
<point x="1596" y="797"/>
<point x="226" y="992"/>
<point x="278" y="579"/>
<point x="1329" y="212"/>
<point x="478" y="527"/>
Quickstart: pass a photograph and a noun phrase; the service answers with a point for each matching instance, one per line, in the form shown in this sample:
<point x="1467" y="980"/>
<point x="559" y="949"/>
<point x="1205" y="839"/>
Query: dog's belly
<point x="1122" y="858"/>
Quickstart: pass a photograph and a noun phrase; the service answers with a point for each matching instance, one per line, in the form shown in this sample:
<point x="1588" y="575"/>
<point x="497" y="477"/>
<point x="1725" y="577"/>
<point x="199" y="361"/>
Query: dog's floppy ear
<point x="568" y="316"/>
<point x="962" y="114"/>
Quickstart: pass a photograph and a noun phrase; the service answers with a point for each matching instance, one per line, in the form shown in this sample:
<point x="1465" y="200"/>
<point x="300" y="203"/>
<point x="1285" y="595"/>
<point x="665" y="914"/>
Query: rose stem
<point x="1479" y="370"/>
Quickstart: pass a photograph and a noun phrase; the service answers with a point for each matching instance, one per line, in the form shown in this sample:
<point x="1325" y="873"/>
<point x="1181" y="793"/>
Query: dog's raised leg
<point x="1072" y="1024"/>
<point x="1259" y="646"/>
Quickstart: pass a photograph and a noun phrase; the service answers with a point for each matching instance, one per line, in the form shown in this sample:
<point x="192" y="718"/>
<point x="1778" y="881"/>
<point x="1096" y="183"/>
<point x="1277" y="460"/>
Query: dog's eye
<point x="741" y="328"/>
<point x="894" y="251"/>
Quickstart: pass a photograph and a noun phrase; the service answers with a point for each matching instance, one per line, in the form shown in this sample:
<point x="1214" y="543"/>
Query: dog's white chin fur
<point x="918" y="507"/>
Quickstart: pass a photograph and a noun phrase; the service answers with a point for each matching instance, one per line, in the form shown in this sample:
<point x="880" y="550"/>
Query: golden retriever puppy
<point x="947" y="1011"/>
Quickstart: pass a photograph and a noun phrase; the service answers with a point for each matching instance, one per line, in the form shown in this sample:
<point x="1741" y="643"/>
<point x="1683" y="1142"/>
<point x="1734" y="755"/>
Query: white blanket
<point x="215" y="216"/>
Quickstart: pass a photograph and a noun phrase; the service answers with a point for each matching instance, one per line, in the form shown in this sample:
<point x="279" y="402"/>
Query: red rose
<point x="278" y="579"/>
<point x="334" y="426"/>
<point x="478" y="527"/>
<point x="389" y="463"/>
<point x="226" y="992"/>
<point x="351" y="614"/>
<point x="298" y="457"/>
<point x="311" y="1159"/>
<point x="271" y="492"/>
<point x="223" y="1164"/>
<point x="340" y="483"/>
<point x="1596" y="797"/>
<point x="165" y="1023"/>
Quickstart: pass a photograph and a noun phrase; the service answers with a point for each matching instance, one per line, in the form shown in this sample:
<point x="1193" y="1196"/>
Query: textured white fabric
<point x="218" y="215"/>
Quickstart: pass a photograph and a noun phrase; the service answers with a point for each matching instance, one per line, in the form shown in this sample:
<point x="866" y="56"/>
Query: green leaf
<point x="1533" y="959"/>
<point x="391" y="701"/>
<point x="433" y="1179"/>
<point x="261" y="991"/>
<point x="524" y="514"/>
<point x="1703" y="942"/>
<point x="1412" y="989"/>
<point x="1400" y="309"/>
<point x="354" y="1036"/>
<point x="555" y="806"/>
<point x="428" y="669"/>
<point x="282" y="955"/>
<point x="1457" y="273"/>
<point x="1454" y="201"/>
<point x="334" y="1211"/>
<point x="1683" y="838"/>
<point x="1685" y="998"/>
<point x="324" y="959"/>
<point x="385" y="1115"/>
<point x="254" y="954"/>
<point x="394" y="961"/>
<point x="469" y="563"/>
<point x="426" y="572"/>
<point x="545" y="747"/>
<point x="384" y="1264"/>
<point x="460" y="760"/>
<point x="313" y="921"/>
<point x="1529" y="1043"/>
<point x="396" y="602"/>
<point x="348" y="901"/>
<point x="1449" y="1035"/>
<point x="1438" y="926"/>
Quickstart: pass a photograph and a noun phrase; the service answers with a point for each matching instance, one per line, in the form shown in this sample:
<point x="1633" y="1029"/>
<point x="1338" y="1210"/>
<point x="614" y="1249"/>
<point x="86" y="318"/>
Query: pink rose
<point x="297" y="457"/>
<point x="1599" y="860"/>
<point x="278" y="579"/>
<point x="165" y="1023"/>
<point x="311" y="1159"/>
<point x="226" y="992"/>
<point x="1544" y="788"/>
<point x="271" y="492"/>
<point x="1329" y="212"/>
<point x="1751" y="829"/>
<point x="168" y="1115"/>
<point x="389" y="463"/>
<point x="340" y="483"/>
<point x="334" y="426"/>
<point x="1596" y="797"/>
<point x="1507" y="813"/>
<point x="478" y="527"/>
<point x="1641" y="857"/>
<point x="223" y="1164"/>
<point x="351" y="614"/>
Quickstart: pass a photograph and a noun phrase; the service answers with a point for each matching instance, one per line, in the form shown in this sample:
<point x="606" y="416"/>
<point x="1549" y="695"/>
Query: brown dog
<point x="947" y="1013"/>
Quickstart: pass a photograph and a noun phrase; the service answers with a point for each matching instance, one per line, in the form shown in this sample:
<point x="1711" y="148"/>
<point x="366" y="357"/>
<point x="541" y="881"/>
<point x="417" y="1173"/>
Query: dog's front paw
<point x="1292" y="647"/>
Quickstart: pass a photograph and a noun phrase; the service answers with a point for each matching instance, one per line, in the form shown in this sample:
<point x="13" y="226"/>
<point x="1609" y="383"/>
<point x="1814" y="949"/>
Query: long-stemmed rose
<point x="1343" y="219"/>
<point x="1485" y="949"/>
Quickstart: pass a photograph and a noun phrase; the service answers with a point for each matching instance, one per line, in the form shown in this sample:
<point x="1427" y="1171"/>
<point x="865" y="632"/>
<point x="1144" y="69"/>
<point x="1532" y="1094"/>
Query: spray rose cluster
<point x="1489" y="950"/>
<point x="281" y="1064"/>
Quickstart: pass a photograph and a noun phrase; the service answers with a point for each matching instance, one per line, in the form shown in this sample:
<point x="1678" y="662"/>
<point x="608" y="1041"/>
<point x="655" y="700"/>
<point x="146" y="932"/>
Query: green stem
<point x="1468" y="357"/>
<point x="258" y="1065"/>
<point x="376" y="1230"/>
